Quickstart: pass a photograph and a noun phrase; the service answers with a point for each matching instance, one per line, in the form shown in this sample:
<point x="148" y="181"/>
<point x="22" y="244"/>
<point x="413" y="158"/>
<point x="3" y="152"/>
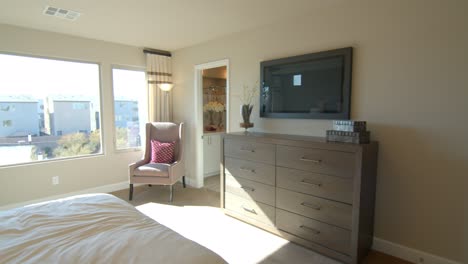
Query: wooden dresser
<point x="312" y="192"/>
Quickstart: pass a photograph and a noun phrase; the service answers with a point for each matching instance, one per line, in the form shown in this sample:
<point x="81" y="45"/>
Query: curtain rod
<point x="157" y="52"/>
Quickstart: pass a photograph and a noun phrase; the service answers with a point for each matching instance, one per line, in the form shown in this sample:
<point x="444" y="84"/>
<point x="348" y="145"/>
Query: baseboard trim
<point x="192" y="183"/>
<point x="101" y="189"/>
<point x="209" y="174"/>
<point x="408" y="254"/>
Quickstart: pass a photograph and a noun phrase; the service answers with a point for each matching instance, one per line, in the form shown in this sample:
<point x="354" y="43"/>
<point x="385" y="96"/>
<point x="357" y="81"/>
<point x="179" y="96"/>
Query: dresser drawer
<point x="329" y="162"/>
<point x="251" y="209"/>
<point x="255" y="171"/>
<point x="327" y="211"/>
<point x="329" y="236"/>
<point x="330" y="187"/>
<point x="250" y="190"/>
<point x="248" y="150"/>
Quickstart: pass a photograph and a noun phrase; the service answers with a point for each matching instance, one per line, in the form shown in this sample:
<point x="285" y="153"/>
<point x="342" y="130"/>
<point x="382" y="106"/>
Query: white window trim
<point x="114" y="134"/>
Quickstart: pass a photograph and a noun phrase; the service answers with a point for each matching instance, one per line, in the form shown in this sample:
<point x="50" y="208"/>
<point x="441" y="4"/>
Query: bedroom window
<point x="7" y="123"/>
<point x="130" y="107"/>
<point x="50" y="109"/>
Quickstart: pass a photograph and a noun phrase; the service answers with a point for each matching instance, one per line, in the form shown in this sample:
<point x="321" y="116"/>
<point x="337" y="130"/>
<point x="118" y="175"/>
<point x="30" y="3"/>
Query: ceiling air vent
<point x="61" y="13"/>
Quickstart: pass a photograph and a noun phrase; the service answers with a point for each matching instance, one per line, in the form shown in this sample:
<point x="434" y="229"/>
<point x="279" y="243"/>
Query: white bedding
<point x="96" y="228"/>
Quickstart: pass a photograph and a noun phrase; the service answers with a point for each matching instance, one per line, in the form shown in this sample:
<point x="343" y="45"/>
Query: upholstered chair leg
<point x="130" y="195"/>
<point x="171" y="192"/>
<point x="183" y="181"/>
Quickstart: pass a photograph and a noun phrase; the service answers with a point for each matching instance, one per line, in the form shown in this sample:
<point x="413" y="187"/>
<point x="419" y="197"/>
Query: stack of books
<point x="349" y="132"/>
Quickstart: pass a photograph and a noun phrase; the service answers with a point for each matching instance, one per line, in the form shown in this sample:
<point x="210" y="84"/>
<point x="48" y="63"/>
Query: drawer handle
<point x="317" y="161"/>
<point x="305" y="181"/>
<point x="248" y="188"/>
<point x="313" y="206"/>
<point x="252" y="211"/>
<point x="249" y="170"/>
<point x="248" y="150"/>
<point x="315" y="231"/>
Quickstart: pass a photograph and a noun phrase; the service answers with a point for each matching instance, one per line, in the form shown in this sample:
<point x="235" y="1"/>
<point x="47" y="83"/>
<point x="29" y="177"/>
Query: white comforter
<point x="96" y="228"/>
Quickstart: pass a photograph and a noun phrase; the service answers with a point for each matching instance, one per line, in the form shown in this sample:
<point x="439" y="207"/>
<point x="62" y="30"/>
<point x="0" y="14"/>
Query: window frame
<point x="7" y="123"/>
<point x="114" y="131"/>
<point x="100" y="81"/>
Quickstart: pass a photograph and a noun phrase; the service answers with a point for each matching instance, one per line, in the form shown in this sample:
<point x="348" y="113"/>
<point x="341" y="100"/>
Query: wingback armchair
<point x="145" y="172"/>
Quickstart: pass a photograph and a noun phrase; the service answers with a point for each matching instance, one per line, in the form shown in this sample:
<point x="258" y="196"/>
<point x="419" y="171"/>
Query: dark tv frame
<point x="347" y="53"/>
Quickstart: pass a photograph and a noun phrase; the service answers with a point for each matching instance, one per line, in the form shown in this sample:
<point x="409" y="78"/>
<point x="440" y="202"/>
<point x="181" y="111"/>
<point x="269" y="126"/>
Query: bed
<point x="97" y="228"/>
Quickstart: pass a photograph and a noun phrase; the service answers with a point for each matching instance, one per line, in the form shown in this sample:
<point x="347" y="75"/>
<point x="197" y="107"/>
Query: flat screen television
<point x="311" y="86"/>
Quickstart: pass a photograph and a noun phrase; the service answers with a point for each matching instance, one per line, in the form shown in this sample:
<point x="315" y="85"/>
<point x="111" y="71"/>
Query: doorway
<point x="212" y="120"/>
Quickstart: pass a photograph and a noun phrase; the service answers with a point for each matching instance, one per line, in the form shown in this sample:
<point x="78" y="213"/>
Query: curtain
<point x="159" y="70"/>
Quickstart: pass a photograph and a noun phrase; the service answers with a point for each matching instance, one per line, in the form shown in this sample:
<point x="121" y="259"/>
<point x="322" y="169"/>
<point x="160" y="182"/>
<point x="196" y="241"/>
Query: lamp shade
<point x="166" y="86"/>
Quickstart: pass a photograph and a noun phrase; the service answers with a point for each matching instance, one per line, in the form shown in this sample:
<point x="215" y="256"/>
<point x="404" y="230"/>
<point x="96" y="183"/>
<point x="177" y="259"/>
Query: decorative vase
<point x="246" y="110"/>
<point x="220" y="120"/>
<point x="209" y="123"/>
<point x="210" y="118"/>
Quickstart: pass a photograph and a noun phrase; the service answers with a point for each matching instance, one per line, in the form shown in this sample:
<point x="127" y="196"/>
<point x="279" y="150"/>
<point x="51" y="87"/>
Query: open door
<point x="212" y="120"/>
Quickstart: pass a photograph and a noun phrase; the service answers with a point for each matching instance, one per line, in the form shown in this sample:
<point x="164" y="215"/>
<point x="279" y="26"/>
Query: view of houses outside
<point x="127" y="123"/>
<point x="48" y="109"/>
<point x="13" y="109"/>
<point x="51" y="108"/>
<point x="130" y="113"/>
<point x="65" y="115"/>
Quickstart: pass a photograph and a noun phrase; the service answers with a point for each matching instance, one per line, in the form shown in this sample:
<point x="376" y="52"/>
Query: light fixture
<point x="166" y="86"/>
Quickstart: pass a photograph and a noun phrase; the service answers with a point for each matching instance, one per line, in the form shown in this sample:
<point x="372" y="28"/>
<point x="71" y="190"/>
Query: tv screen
<point x="315" y="86"/>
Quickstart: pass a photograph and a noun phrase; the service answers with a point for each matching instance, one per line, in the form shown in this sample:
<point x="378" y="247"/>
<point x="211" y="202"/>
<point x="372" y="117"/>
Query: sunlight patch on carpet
<point x="235" y="241"/>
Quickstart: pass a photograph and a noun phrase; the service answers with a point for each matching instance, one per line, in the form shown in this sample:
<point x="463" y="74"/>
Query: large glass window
<point x="49" y="109"/>
<point x="130" y="107"/>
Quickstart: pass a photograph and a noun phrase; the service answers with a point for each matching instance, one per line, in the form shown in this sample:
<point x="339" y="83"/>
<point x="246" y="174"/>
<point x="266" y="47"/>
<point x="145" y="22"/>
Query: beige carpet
<point x="212" y="183"/>
<point x="195" y="214"/>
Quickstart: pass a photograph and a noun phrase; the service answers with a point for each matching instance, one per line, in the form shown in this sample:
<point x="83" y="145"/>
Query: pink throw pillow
<point x="162" y="152"/>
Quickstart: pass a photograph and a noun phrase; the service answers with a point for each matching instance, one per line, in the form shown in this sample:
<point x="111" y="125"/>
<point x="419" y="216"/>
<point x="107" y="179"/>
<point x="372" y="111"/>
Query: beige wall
<point x="410" y="84"/>
<point x="28" y="182"/>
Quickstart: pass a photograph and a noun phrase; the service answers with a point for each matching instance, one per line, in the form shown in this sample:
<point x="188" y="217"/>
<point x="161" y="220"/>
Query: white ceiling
<point x="159" y="24"/>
